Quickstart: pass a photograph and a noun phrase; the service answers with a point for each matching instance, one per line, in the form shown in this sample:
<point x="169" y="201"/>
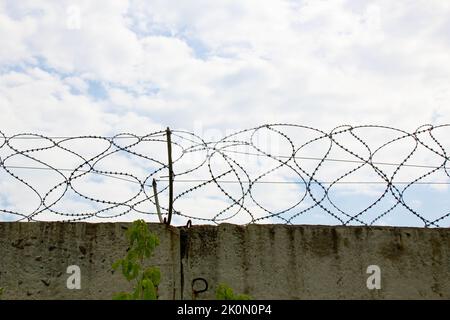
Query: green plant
<point x="224" y="292"/>
<point x="1" y="292"/>
<point x="142" y="243"/>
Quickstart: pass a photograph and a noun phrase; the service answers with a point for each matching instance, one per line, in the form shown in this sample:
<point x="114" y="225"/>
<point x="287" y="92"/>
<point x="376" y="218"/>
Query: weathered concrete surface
<point x="317" y="262"/>
<point x="34" y="258"/>
<point x="265" y="261"/>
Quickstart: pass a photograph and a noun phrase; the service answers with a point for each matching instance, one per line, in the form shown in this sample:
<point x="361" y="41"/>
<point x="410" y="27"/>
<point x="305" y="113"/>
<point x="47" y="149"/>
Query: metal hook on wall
<point x="196" y="292"/>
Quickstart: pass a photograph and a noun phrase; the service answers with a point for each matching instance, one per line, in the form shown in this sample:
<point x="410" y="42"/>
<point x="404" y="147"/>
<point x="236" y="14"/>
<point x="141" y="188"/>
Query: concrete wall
<point x="312" y="262"/>
<point x="34" y="258"/>
<point x="265" y="261"/>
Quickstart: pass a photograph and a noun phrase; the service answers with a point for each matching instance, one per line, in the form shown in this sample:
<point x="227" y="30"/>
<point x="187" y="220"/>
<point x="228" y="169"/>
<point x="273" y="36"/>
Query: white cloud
<point x="79" y="67"/>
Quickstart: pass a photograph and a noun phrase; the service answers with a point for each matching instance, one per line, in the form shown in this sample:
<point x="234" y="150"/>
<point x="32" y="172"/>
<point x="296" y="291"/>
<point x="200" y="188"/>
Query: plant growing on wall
<point x="224" y="292"/>
<point x="142" y="243"/>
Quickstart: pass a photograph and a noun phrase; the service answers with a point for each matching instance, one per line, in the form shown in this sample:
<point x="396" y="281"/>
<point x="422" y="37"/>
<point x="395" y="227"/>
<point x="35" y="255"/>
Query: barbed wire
<point x="237" y="178"/>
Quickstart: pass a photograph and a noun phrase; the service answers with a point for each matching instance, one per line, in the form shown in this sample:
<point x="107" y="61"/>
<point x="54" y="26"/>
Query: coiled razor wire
<point x="335" y="177"/>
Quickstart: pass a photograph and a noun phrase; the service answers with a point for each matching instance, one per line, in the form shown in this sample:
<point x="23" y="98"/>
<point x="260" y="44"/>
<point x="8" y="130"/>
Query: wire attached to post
<point x="171" y="175"/>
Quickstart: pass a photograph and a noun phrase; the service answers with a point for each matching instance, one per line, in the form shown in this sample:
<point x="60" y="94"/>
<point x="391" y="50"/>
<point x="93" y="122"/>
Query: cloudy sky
<point x="110" y="66"/>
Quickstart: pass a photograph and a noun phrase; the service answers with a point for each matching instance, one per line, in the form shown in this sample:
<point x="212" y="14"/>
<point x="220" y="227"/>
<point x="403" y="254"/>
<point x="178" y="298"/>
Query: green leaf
<point x="153" y="274"/>
<point x="117" y="264"/>
<point x="149" y="290"/>
<point x="122" y="296"/>
<point x="135" y="271"/>
<point x="130" y="269"/>
<point x="137" y="293"/>
<point x="126" y="267"/>
<point x="224" y="292"/>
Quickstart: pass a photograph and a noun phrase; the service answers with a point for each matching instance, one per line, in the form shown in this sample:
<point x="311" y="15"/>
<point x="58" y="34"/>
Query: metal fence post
<point x="169" y="156"/>
<point x="158" y="208"/>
